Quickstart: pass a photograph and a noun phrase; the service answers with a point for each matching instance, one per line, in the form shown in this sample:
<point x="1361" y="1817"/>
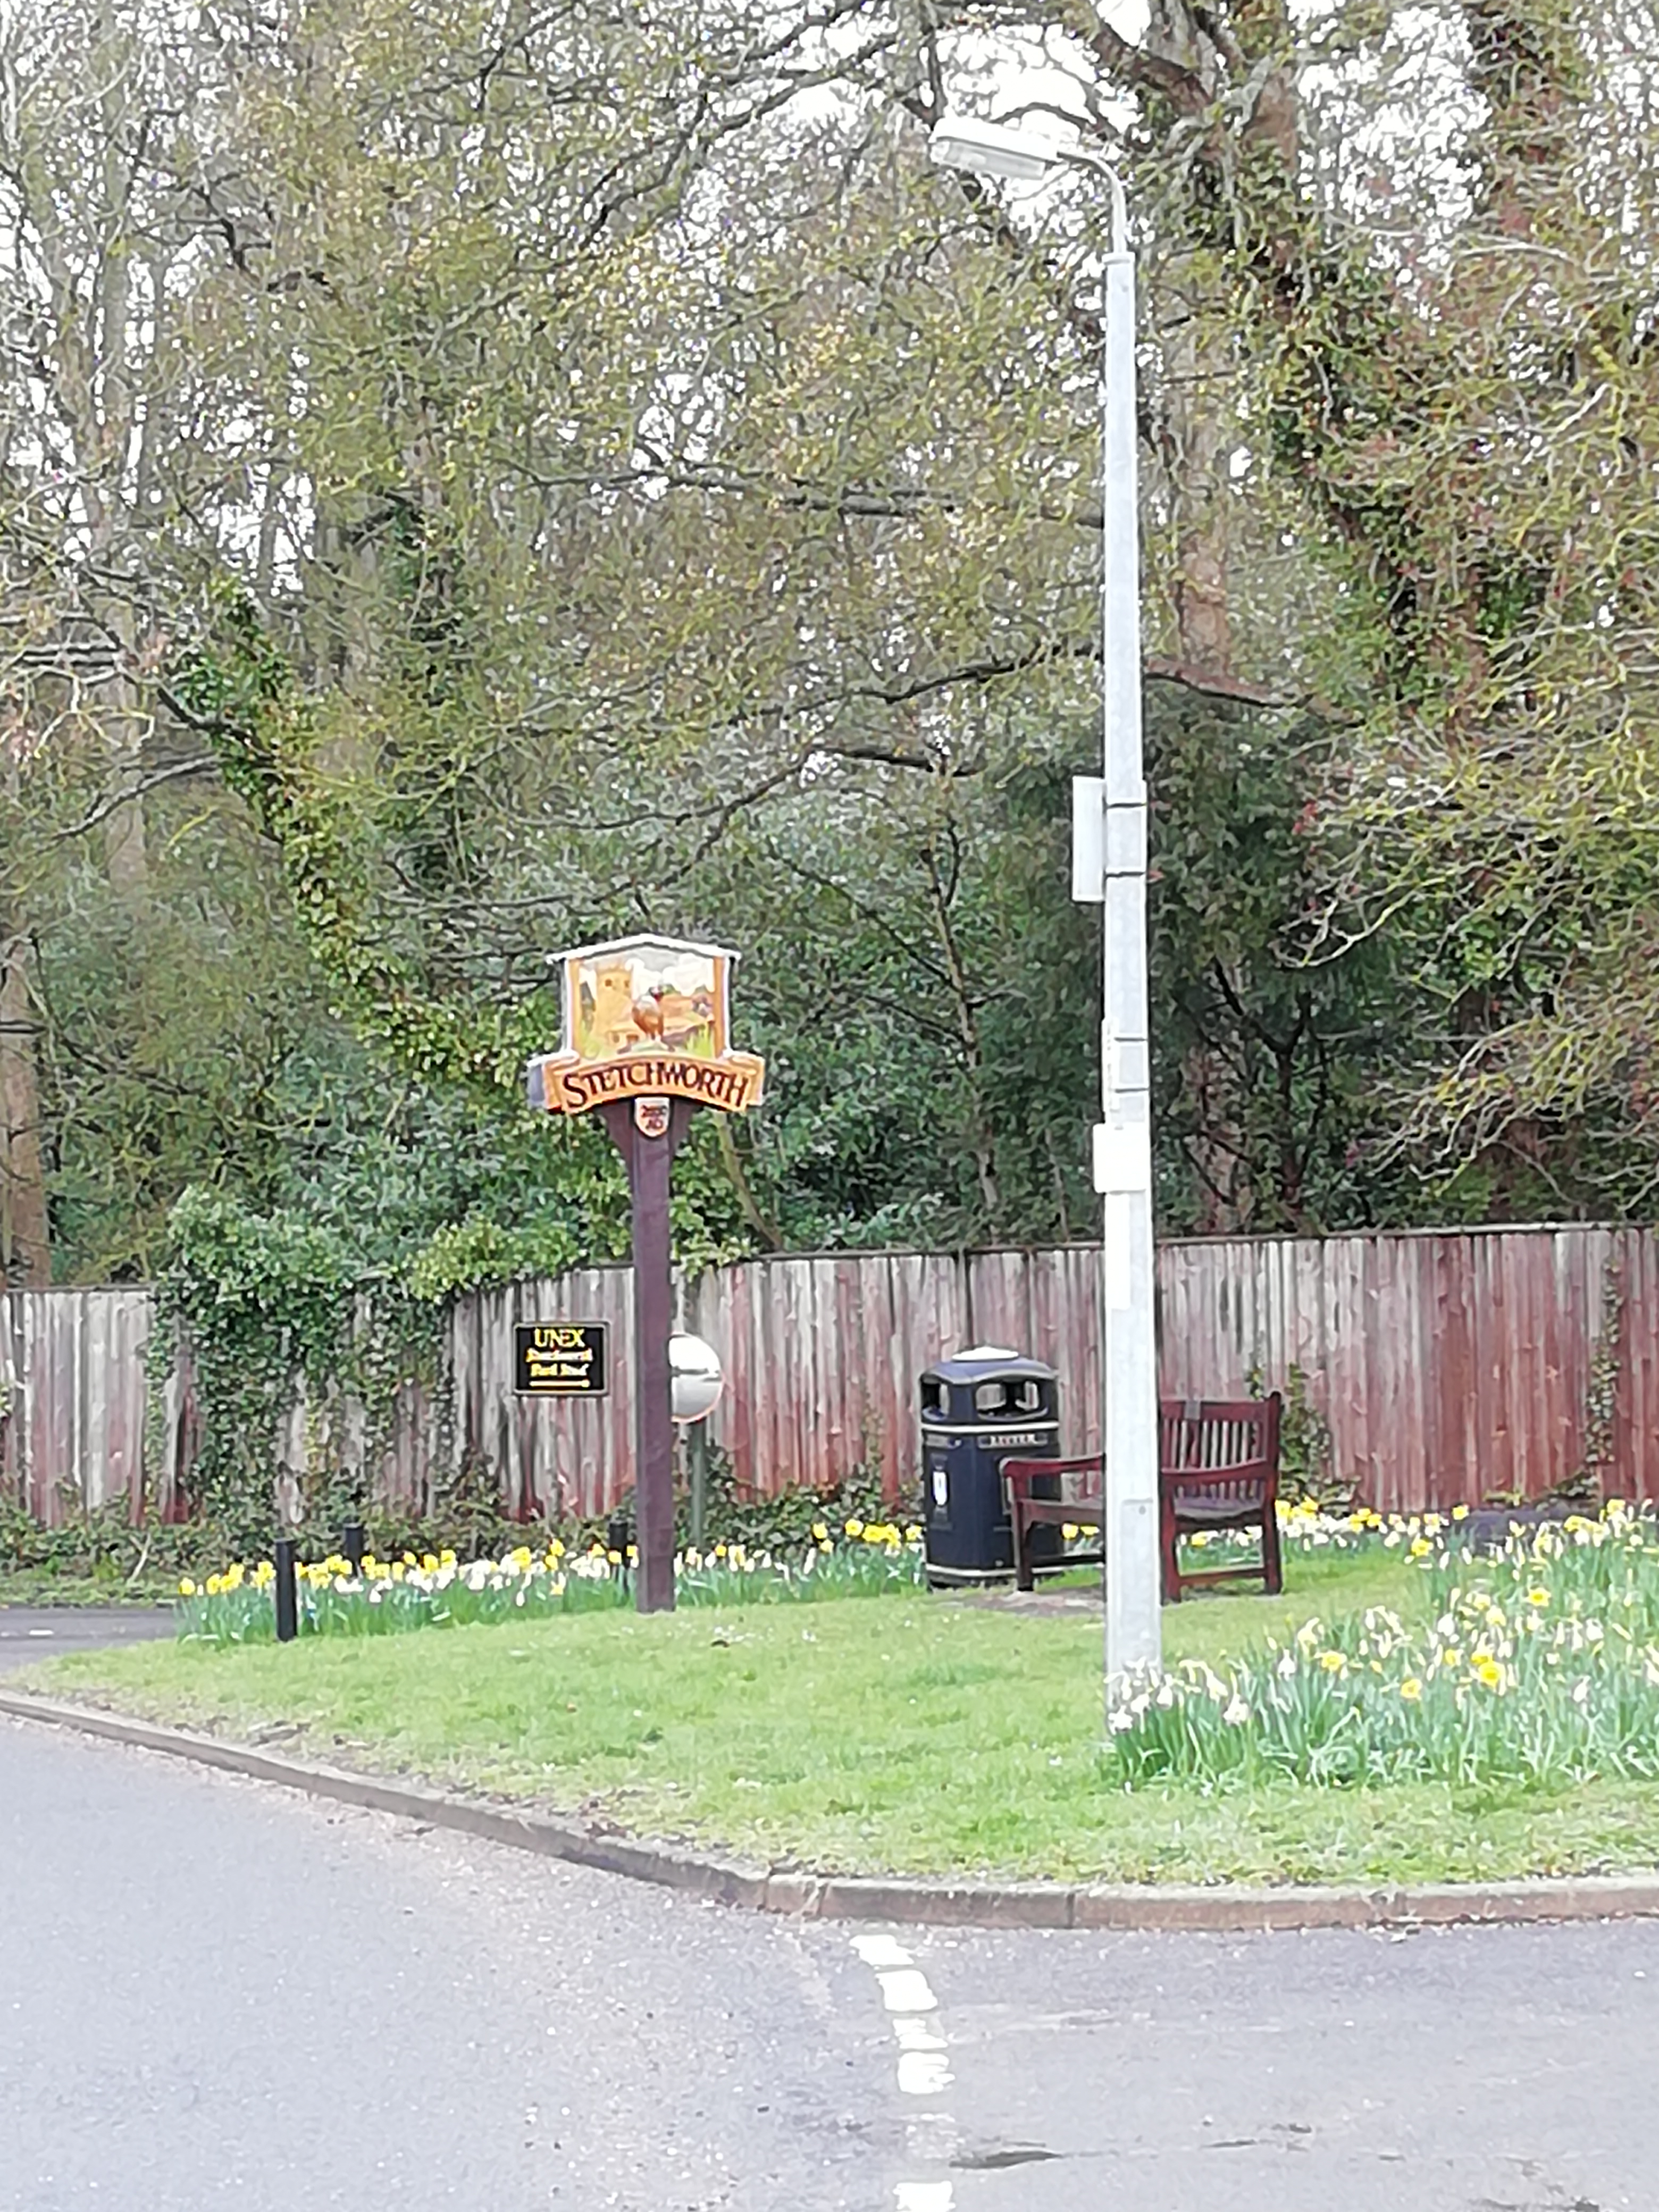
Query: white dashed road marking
<point x="924" y="2069"/>
<point x="923" y="2073"/>
<point x="905" y="1989"/>
<point x="881" y="1951"/>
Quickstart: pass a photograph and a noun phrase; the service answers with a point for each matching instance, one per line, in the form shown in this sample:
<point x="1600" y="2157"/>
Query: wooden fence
<point x="1442" y="1367"/>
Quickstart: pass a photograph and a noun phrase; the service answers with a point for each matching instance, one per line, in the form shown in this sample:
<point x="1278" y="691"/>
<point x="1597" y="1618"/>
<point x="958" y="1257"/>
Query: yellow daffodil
<point x="1411" y="1689"/>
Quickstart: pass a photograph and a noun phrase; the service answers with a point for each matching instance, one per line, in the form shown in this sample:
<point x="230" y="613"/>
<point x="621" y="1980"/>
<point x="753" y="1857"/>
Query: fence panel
<point x="1448" y="1368"/>
<point x="72" y="1398"/>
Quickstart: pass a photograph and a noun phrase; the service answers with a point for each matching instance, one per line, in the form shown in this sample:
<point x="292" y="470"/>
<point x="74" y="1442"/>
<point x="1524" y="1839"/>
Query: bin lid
<point x="981" y="1361"/>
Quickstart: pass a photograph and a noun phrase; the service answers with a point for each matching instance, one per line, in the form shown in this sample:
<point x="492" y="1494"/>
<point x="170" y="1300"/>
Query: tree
<point x="569" y="473"/>
<point x="639" y="541"/>
<point x="113" y="468"/>
<point x="1445" y="389"/>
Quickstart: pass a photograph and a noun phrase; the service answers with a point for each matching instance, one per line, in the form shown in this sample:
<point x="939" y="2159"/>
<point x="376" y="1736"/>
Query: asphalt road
<point x="32" y="1632"/>
<point x="216" y="1993"/>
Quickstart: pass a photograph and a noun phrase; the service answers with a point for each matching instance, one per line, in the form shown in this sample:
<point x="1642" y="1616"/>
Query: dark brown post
<point x="649" y="1160"/>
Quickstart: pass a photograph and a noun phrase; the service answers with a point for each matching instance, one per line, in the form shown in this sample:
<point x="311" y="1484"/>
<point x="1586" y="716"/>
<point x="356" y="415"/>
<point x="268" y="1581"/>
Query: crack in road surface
<point x="995" y="2161"/>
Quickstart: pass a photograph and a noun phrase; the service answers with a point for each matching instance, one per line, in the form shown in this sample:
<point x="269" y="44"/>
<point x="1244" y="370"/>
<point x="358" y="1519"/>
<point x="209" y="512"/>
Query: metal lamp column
<point x="1109" y="866"/>
<point x="1123" y="1153"/>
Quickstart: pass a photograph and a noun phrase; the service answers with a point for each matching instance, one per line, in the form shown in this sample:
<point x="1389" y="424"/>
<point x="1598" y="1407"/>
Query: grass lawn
<point x="908" y="1733"/>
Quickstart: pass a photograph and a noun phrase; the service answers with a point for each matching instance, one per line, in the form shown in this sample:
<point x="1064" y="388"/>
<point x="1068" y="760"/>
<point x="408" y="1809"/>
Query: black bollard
<point x="616" y="1535"/>
<point x="283" y="1589"/>
<point x="351" y="1544"/>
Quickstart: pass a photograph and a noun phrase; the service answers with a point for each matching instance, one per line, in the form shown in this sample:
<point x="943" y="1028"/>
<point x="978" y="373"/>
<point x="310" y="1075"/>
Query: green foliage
<point x="101" y="1557"/>
<point x="926" y="996"/>
<point x="261" y="1301"/>
<point x="785" y="1523"/>
<point x="1265" y="1068"/>
<point x="336" y="1289"/>
<point x="170" y="1026"/>
<point x="1305" y="1474"/>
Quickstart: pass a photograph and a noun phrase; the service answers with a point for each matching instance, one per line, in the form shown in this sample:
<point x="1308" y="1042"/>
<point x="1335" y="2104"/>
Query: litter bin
<point x="978" y="1408"/>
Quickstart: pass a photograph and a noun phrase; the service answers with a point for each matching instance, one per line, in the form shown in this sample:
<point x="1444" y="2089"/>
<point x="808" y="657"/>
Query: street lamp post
<point x="1108" y="867"/>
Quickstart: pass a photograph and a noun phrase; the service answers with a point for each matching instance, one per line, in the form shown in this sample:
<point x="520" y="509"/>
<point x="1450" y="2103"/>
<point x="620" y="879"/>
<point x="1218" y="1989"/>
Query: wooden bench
<point x="1218" y="1470"/>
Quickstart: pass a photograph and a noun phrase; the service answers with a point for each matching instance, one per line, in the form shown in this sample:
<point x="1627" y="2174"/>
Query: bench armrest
<point x="1021" y="1474"/>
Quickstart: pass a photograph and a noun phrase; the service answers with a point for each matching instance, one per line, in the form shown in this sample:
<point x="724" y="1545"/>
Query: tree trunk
<point x="24" y="1244"/>
<point x="1200" y="431"/>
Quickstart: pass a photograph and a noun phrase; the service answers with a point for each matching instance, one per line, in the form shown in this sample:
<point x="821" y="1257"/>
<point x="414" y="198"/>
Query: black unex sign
<point x="559" y="1359"/>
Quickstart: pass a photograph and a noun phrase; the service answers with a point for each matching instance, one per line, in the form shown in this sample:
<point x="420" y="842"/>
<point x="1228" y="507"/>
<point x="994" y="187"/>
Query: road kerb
<point x="802" y="1894"/>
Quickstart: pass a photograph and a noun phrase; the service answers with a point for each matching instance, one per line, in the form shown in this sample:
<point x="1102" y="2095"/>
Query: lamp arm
<point x="1084" y="158"/>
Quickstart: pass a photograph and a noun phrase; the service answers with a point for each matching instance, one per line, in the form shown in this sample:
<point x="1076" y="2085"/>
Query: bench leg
<point x="1025" y="1575"/>
<point x="1168" y="1551"/>
<point x="1273" y="1564"/>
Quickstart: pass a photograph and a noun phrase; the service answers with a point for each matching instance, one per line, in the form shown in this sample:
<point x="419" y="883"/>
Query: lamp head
<point x="992" y="150"/>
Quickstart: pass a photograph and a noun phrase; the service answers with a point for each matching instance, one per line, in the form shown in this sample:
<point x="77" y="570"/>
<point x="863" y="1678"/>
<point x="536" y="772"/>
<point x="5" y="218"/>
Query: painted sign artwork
<point x="645" y="997"/>
<point x="646" y="1018"/>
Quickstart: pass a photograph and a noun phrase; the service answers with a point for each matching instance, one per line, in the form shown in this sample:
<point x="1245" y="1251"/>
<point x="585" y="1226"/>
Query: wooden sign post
<point x="646" y="1043"/>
